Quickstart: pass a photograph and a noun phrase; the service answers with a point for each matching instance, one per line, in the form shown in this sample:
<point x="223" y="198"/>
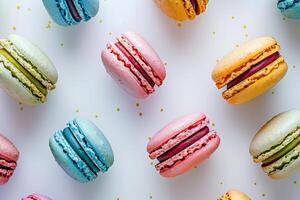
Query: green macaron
<point x="277" y="145"/>
<point x="26" y="73"/>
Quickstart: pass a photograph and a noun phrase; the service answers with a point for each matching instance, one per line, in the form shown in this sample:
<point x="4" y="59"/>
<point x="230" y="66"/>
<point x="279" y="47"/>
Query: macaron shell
<point x="290" y="8"/>
<point x="237" y="195"/>
<point x="8" y="149"/>
<point x="35" y="55"/>
<point x="14" y="88"/>
<point x="36" y="197"/>
<point x="241" y="55"/>
<point x="90" y="7"/>
<point x="122" y="75"/>
<point x="96" y="138"/>
<point x="260" y="86"/>
<point x="193" y="160"/>
<point x="274" y="131"/>
<point x="51" y="7"/>
<point x="172" y="129"/>
<point x="64" y="160"/>
<point x="173" y="8"/>
<point x="148" y="53"/>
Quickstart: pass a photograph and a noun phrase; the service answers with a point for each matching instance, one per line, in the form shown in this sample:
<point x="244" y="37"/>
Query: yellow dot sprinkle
<point x="140" y="114"/>
<point x="161" y="110"/>
<point x="245" y="27"/>
<point x="246" y="35"/>
<point x="149" y="138"/>
<point x="29" y="9"/>
<point x="152" y="163"/>
<point x="179" y="24"/>
<point x="137" y="104"/>
<point x="214" y="33"/>
<point x="165" y="64"/>
<point x="295" y="182"/>
<point x="255" y="183"/>
<point x="294" y="66"/>
<point x="237" y="45"/>
<point x="263" y="195"/>
<point x="18" y="6"/>
<point x="100" y="21"/>
<point x="14" y="28"/>
<point x="96" y="116"/>
<point x="221" y="183"/>
<point x="273" y="92"/>
<point x="118" y="198"/>
<point x="150" y="197"/>
<point x="109" y="33"/>
<point x="77" y="110"/>
<point x="118" y="109"/>
<point x="21" y="109"/>
<point x="20" y="103"/>
<point x="232" y="17"/>
<point x="213" y="124"/>
<point x="283" y="18"/>
<point x="61" y="44"/>
<point x="49" y="25"/>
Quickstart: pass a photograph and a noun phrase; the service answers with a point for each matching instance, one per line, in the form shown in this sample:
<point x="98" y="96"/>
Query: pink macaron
<point x="183" y="144"/>
<point x="9" y="156"/>
<point x="134" y="64"/>
<point x="36" y="197"/>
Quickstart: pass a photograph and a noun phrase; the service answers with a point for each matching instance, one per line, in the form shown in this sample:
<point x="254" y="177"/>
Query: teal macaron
<point x="71" y="12"/>
<point x="289" y="8"/>
<point x="82" y="150"/>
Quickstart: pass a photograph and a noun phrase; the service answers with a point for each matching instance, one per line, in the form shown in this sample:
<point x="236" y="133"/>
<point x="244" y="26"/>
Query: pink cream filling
<point x="186" y="152"/>
<point x="179" y="138"/>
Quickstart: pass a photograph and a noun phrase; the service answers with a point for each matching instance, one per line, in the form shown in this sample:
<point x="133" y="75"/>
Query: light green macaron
<point x="26" y="73"/>
<point x="277" y="145"/>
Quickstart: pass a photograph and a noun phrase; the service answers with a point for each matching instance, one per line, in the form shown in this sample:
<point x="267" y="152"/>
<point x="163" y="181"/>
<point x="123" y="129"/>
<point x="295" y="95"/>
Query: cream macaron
<point x="250" y="70"/>
<point x="277" y="145"/>
<point x="234" y="195"/>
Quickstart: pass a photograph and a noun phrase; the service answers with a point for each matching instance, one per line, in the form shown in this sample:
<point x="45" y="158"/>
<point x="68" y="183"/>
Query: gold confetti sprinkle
<point x="20" y="103"/>
<point x="255" y="183"/>
<point x="100" y="21"/>
<point x="18" y="6"/>
<point x="150" y="197"/>
<point x="96" y="116"/>
<point x="140" y="114"/>
<point x="161" y="110"/>
<point x="295" y="182"/>
<point x="21" y="108"/>
<point x="152" y="163"/>
<point x="237" y="45"/>
<point x="49" y="25"/>
<point x="110" y="33"/>
<point x="232" y="17"/>
<point x="165" y="64"/>
<point x="246" y="35"/>
<point x="245" y="26"/>
<point x="213" y="124"/>
<point x="263" y="195"/>
<point x="137" y="104"/>
<point x="179" y="24"/>
<point x="29" y="9"/>
<point x="149" y="138"/>
<point x="283" y="18"/>
<point x="118" y="109"/>
<point x="221" y="183"/>
<point x="214" y="33"/>
<point x="14" y="28"/>
<point x="217" y="60"/>
<point x="77" y="110"/>
<point x="118" y="198"/>
<point x="61" y="44"/>
<point x="294" y="66"/>
<point x="273" y="92"/>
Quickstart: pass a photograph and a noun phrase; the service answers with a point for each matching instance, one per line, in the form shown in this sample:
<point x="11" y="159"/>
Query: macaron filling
<point x="184" y="144"/>
<point x="72" y="8"/>
<point x="69" y="136"/>
<point x="135" y="63"/>
<point x="7" y="168"/>
<point x="195" y="6"/>
<point x="255" y="68"/>
<point x="16" y="64"/>
<point x="284" y="4"/>
<point x="282" y="152"/>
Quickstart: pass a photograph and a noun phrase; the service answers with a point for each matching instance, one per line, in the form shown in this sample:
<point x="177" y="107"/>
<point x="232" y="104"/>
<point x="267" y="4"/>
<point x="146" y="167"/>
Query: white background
<point x="84" y="89"/>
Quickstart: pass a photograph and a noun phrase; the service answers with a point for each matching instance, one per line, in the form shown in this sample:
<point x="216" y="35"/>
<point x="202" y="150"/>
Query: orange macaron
<point x="250" y="70"/>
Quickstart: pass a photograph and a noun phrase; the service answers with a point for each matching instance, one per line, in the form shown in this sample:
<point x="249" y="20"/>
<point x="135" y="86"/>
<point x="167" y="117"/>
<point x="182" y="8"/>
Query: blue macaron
<point x="289" y="8"/>
<point x="82" y="150"/>
<point x="71" y="12"/>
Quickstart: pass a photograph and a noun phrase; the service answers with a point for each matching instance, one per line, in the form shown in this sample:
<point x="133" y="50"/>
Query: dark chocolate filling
<point x="6" y="168"/>
<point x="184" y="144"/>
<point x="73" y="10"/>
<point x="135" y="63"/>
<point x="262" y="64"/>
<point x="195" y="6"/>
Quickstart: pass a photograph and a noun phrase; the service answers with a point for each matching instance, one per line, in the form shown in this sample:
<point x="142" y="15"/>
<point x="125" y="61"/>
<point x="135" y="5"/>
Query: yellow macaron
<point x="250" y="70"/>
<point x="234" y="195"/>
<point x="182" y="9"/>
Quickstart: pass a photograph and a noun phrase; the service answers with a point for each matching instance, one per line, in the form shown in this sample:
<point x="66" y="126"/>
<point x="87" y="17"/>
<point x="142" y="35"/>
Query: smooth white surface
<point x="190" y="52"/>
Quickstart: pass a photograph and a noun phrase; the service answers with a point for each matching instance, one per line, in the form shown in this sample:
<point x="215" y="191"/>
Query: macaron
<point x="82" y="150"/>
<point x="250" y="70"/>
<point x="26" y="73"/>
<point x="234" y="195"/>
<point x="289" y="8"/>
<point x="9" y="156"/>
<point x="71" y="12"/>
<point x="183" y="144"/>
<point x="182" y="9"/>
<point x="134" y="64"/>
<point x="36" y="197"/>
<point x="277" y="145"/>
